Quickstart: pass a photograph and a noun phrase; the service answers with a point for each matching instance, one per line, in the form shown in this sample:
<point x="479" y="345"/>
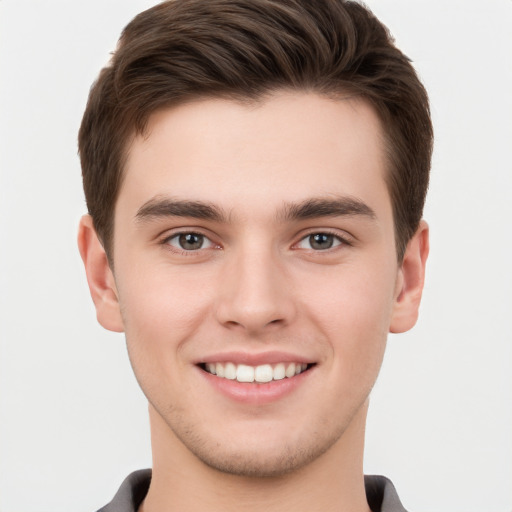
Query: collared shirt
<point x="380" y="493"/>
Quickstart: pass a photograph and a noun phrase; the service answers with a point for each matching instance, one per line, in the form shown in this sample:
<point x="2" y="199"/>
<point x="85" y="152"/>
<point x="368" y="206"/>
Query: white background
<point x="72" y="420"/>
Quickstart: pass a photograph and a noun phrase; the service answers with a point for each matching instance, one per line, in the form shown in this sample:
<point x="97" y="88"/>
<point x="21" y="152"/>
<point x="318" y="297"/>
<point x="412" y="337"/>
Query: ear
<point x="99" y="276"/>
<point x="410" y="279"/>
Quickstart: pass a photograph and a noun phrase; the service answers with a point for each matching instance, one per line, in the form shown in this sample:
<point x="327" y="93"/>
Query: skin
<point x="257" y="286"/>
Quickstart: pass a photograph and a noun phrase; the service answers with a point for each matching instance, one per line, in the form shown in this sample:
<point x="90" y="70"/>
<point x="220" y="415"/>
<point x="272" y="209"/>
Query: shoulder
<point x="381" y="494"/>
<point x="131" y="493"/>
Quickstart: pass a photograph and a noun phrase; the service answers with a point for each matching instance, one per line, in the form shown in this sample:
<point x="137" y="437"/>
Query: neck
<point x="332" y="482"/>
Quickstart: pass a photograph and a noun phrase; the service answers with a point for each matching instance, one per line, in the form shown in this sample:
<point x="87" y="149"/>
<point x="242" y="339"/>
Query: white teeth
<point x="262" y="373"/>
<point x="230" y="371"/>
<point x="244" y="373"/>
<point x="279" y="372"/>
<point x="290" y="370"/>
<point x="219" y="369"/>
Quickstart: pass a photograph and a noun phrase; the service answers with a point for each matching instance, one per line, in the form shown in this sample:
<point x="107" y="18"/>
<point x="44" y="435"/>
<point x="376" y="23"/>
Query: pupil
<point x="321" y="241"/>
<point x="191" y="241"/>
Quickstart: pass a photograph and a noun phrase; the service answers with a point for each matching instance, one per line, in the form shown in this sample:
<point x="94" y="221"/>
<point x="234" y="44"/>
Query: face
<point x="256" y="275"/>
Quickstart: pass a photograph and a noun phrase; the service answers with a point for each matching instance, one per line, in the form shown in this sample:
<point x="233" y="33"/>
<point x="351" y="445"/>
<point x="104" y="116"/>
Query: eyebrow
<point x="326" y="207"/>
<point x="159" y="207"/>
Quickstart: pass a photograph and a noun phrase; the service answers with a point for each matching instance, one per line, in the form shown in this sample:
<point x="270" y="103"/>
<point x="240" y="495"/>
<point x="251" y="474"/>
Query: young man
<point x="255" y="173"/>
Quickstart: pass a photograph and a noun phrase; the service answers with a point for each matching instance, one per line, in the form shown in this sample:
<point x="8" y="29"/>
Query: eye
<point x="189" y="241"/>
<point x="320" y="241"/>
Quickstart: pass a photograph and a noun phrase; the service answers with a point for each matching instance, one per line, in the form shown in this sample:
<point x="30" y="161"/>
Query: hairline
<point x="343" y="93"/>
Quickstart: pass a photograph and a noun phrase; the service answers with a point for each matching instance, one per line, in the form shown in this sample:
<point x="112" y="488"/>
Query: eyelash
<point x="188" y="252"/>
<point x="338" y="241"/>
<point x="342" y="240"/>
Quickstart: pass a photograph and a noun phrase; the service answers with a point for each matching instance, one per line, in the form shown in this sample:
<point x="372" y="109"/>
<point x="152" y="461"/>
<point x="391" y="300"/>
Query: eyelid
<point x="177" y="236"/>
<point x="168" y="235"/>
<point x="344" y="238"/>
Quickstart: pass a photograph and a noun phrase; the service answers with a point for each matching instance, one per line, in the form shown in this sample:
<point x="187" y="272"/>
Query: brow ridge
<point x="158" y="207"/>
<point x="326" y="207"/>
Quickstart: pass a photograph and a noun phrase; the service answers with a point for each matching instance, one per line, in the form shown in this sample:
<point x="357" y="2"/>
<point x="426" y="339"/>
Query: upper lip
<point x="255" y="359"/>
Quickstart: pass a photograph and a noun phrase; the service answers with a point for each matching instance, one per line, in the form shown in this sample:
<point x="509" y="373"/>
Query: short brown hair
<point x="181" y="50"/>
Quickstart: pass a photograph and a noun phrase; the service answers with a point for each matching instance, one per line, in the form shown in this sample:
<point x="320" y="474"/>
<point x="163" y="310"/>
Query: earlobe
<point x="99" y="276"/>
<point x="410" y="281"/>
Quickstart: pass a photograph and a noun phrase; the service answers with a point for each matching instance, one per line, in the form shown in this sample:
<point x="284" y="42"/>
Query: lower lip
<point x="255" y="392"/>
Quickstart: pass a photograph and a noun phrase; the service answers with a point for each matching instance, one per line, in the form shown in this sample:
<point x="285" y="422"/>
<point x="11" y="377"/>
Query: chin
<point x="259" y="463"/>
<point x="262" y="453"/>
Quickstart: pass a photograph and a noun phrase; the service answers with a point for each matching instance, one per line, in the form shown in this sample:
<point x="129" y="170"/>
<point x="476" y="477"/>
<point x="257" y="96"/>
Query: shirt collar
<point x="380" y="493"/>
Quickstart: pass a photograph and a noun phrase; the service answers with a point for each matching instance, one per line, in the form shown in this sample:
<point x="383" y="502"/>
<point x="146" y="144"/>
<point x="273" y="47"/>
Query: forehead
<point x="241" y="156"/>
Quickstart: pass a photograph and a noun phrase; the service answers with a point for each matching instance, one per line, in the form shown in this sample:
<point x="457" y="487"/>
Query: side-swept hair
<point x="182" y="50"/>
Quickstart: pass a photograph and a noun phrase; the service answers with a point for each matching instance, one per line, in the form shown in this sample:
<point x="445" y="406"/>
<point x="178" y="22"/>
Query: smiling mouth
<point x="261" y="374"/>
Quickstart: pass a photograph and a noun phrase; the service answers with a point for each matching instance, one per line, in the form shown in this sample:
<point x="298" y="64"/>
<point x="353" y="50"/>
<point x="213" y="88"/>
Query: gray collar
<point x="380" y="493"/>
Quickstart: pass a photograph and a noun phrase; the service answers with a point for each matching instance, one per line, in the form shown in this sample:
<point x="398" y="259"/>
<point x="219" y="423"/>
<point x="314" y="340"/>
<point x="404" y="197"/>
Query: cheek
<point x="354" y="315"/>
<point x="160" y="315"/>
<point x="162" y="308"/>
<point x="357" y="297"/>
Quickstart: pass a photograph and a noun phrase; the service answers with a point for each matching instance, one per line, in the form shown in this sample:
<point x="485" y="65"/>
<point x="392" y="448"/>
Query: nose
<point x="255" y="293"/>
